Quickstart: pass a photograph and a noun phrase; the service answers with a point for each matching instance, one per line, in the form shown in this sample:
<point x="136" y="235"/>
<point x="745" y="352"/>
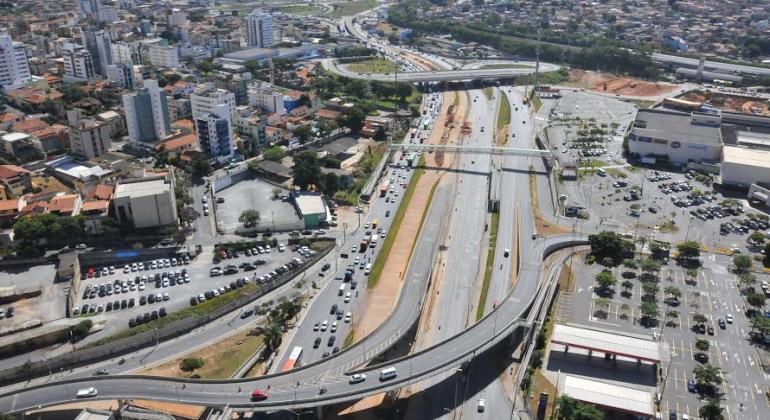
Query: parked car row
<point x="216" y="292"/>
<point x="109" y="306"/>
<point x="147" y="317"/>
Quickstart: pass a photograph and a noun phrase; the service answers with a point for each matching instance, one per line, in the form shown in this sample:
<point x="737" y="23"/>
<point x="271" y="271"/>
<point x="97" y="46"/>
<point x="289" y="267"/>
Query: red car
<point x="258" y="395"/>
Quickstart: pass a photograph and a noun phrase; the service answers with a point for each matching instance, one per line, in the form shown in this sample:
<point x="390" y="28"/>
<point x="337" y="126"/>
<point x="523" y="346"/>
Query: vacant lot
<point x="352" y="7"/>
<point x="610" y="83"/>
<point x="374" y="65"/>
<point x="301" y="9"/>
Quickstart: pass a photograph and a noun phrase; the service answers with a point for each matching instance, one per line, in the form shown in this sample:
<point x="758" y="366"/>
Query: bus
<point x="293" y="360"/>
<point x="384" y="188"/>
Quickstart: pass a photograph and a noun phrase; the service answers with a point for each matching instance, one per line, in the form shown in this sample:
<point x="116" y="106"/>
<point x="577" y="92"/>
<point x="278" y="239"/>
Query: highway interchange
<point x="301" y="387"/>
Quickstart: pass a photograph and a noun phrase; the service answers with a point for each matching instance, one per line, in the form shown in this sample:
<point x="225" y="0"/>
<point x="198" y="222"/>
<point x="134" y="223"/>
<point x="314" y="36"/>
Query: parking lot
<point x="275" y="214"/>
<point x="151" y="289"/>
<point x="713" y="295"/>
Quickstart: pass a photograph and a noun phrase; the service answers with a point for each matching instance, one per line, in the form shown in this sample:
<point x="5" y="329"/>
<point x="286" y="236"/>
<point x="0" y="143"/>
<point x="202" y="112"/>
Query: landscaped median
<point x="489" y="266"/>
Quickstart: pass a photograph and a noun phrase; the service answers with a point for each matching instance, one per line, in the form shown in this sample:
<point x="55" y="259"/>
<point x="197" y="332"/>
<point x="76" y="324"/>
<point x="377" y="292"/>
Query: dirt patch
<point x="732" y="103"/>
<point x="610" y="83"/>
<point x="179" y="411"/>
<point x="542" y="225"/>
<point x="222" y="358"/>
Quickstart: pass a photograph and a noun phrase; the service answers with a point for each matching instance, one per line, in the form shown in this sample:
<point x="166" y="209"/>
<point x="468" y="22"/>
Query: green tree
<point x="71" y="92"/>
<point x="610" y="244"/>
<point x="329" y="184"/>
<point x="766" y="260"/>
<point x="627" y="285"/>
<point x="303" y="133"/>
<point x="673" y="291"/>
<point x="630" y="264"/>
<point x="353" y="120"/>
<point x="274" y="153"/>
<point x="201" y="166"/>
<point x="702" y="344"/>
<point x="306" y="170"/>
<point x="711" y="410"/>
<point x="272" y="338"/>
<point x="605" y="279"/>
<point x="747" y="279"/>
<point x="742" y="263"/>
<point x="572" y="409"/>
<point x="649" y="310"/>
<point x="82" y="328"/>
<point x="650" y="265"/>
<point x="699" y="318"/>
<point x="249" y="217"/>
<point x="189" y="364"/>
<point x="756" y="300"/>
<point x="760" y="325"/>
<point x="688" y="250"/>
<point x="403" y="90"/>
<point x="758" y="238"/>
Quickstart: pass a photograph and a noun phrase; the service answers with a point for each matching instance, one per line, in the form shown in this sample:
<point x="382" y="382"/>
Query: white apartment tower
<point x="78" y="63"/>
<point x="164" y="56"/>
<point x="259" y="29"/>
<point x="147" y="114"/>
<point x="14" y="70"/>
<point x="206" y="97"/>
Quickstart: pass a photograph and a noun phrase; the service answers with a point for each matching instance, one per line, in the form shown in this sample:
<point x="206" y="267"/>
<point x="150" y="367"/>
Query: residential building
<point x="122" y="53"/>
<point x="164" y="56"/>
<point x="147" y="114"/>
<point x="99" y="44"/>
<point x="238" y="84"/>
<point x="207" y="97"/>
<point x="259" y="29"/>
<point x="20" y="146"/>
<point x="65" y="204"/>
<point x="267" y="97"/>
<point x="15" y="180"/>
<point x="177" y="18"/>
<point x="145" y="202"/>
<point x="215" y="133"/>
<point x="78" y="63"/>
<point x="122" y="74"/>
<point x="90" y="138"/>
<point x="89" y="6"/>
<point x="251" y="126"/>
<point x="107" y="14"/>
<point x="14" y="70"/>
<point x="179" y="108"/>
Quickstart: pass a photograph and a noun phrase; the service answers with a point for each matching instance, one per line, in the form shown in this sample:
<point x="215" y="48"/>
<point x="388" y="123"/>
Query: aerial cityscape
<point x="384" y="209"/>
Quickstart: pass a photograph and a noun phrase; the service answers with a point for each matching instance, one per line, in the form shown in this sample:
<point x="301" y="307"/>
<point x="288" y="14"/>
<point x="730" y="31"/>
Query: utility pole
<point x="537" y="57"/>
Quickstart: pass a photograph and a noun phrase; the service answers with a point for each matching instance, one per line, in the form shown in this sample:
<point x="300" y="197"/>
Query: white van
<point x="87" y="392"/>
<point x="368" y="269"/>
<point x="601" y="172"/>
<point x="342" y="290"/>
<point x="388" y="373"/>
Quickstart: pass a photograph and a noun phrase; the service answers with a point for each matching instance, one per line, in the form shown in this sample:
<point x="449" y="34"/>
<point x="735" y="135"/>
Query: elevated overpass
<point x="300" y="388"/>
<point x="440" y="75"/>
<point x="489" y="150"/>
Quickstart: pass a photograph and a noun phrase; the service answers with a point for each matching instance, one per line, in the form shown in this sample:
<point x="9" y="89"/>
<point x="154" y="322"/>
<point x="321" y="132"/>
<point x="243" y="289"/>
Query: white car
<point x="333" y="327"/>
<point x="358" y="377"/>
<point x="482" y="405"/>
<point x="347" y="297"/>
<point x="324" y="325"/>
<point x="87" y="392"/>
<point x="348" y="317"/>
<point x="729" y="318"/>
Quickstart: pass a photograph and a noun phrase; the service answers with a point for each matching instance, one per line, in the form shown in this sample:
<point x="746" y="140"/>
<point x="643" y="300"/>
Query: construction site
<point x="728" y="102"/>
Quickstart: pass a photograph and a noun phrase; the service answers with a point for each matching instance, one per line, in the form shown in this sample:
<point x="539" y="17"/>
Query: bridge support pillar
<point x="319" y="413"/>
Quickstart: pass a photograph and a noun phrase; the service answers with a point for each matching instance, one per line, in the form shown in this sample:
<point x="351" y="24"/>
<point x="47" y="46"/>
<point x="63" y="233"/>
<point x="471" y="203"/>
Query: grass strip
<point x="352" y="7"/>
<point x="373" y="65"/>
<point x="504" y="116"/>
<point x="488" y="92"/>
<point x="490" y="266"/>
<point x="350" y="338"/>
<point x="390" y="239"/>
<point x="536" y="102"/>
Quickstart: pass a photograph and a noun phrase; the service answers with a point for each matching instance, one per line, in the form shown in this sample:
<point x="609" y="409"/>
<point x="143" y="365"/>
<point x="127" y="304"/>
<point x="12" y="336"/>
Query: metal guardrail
<point x="491" y="150"/>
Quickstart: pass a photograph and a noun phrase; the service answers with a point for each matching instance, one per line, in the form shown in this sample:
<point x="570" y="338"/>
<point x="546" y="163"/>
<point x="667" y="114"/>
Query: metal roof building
<point x="609" y="343"/>
<point x="620" y="398"/>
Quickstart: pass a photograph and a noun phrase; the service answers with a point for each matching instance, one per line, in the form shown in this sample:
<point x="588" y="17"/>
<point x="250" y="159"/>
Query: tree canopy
<point x="610" y="244"/>
<point x="306" y="170"/>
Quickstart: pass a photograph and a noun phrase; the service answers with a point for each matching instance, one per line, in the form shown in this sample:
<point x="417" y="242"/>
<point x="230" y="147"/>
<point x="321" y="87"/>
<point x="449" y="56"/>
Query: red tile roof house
<point x="65" y="205"/>
<point x="16" y="179"/>
<point x="10" y="210"/>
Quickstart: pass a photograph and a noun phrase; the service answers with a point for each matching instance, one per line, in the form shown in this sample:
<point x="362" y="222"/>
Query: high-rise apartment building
<point x="122" y="74"/>
<point x="206" y="97"/>
<point x="99" y="44"/>
<point x="14" y="69"/>
<point x="259" y="29"/>
<point x="215" y="133"/>
<point x="147" y="114"/>
<point x="78" y="63"/>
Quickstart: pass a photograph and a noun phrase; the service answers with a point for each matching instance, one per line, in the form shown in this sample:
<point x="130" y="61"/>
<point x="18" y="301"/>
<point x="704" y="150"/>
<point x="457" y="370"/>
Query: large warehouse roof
<point x="310" y="204"/>
<point x="675" y="126"/>
<point x="613" y="343"/>
<point x="746" y="156"/>
<point x="622" y="398"/>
